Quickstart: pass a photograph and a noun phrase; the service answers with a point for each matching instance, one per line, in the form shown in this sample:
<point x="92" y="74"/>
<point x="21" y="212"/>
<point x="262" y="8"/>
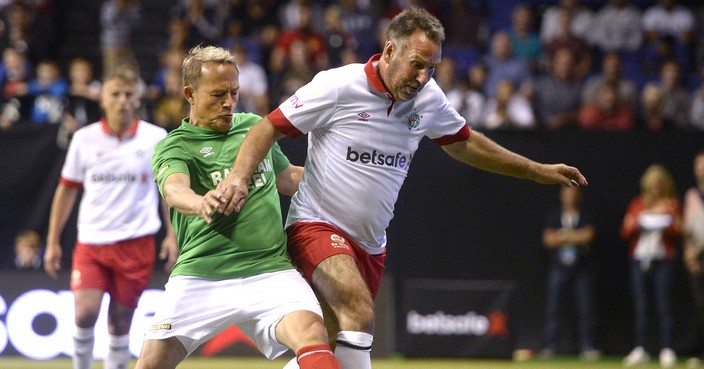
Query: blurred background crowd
<point x="516" y="64"/>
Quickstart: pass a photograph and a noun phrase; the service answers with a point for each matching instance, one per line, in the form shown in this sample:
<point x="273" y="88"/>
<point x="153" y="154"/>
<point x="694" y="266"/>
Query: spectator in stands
<point x="502" y="64"/>
<point x="117" y="20"/>
<point x="297" y="73"/>
<point x="557" y="96"/>
<point x="617" y="27"/>
<point x="669" y="26"/>
<point x="696" y="115"/>
<point x="16" y="70"/>
<point x="338" y="39"/>
<point x="254" y="88"/>
<point x="203" y="20"/>
<point x="508" y="110"/>
<point x="652" y="227"/>
<point x="29" y="31"/>
<point x="171" y="107"/>
<point x="467" y="97"/>
<point x="82" y="105"/>
<point x="28" y="250"/>
<point x="565" y="38"/>
<point x="359" y="18"/>
<point x="652" y="115"/>
<point x="676" y="97"/>
<point x="568" y="235"/>
<point x="446" y="74"/>
<point x="314" y="43"/>
<point x="525" y="40"/>
<point x="466" y="25"/>
<point x="610" y="75"/>
<point x="608" y="112"/>
<point x="169" y="60"/>
<point x="48" y="92"/>
<point x="693" y="252"/>
<point x="580" y="20"/>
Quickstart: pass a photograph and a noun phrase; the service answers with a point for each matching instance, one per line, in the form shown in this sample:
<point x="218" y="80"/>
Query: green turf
<point x="261" y="363"/>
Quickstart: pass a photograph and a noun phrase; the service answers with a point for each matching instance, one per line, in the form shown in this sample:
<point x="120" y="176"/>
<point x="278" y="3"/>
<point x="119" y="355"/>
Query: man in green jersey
<point x="231" y="269"/>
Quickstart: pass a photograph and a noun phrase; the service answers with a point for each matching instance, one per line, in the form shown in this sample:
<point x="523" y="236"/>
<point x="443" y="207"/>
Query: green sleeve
<point x="280" y="160"/>
<point x="168" y="158"/>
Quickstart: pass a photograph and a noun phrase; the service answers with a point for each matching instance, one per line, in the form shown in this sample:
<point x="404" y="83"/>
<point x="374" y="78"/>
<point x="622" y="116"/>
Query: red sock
<point x="317" y="357"/>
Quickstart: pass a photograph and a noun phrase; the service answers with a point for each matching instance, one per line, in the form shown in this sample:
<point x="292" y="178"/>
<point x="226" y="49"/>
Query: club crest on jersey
<point x="338" y="242"/>
<point x="413" y="121"/>
<point x="207" y="151"/>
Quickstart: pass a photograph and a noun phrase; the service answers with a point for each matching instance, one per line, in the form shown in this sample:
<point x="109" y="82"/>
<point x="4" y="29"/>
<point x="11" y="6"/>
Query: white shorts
<point x="195" y="309"/>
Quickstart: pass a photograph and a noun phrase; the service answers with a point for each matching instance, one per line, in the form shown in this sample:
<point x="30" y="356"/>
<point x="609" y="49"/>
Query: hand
<point x="169" y="252"/>
<point x="212" y="201"/>
<point x="560" y="174"/>
<point x="52" y="260"/>
<point x="234" y="193"/>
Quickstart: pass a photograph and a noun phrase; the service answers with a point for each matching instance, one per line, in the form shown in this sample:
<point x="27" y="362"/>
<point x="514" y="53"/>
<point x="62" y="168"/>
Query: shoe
<point x="668" y="359"/>
<point x="546" y="353"/>
<point x="637" y="357"/>
<point x="694" y="363"/>
<point x="590" y="354"/>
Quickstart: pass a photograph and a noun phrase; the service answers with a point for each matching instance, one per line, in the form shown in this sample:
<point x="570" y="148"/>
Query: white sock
<point x="83" y="341"/>
<point x="118" y="352"/>
<point x="293" y="364"/>
<point x="353" y="350"/>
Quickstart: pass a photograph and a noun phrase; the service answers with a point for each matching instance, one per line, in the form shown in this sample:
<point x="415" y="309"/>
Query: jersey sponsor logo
<point x="207" y="151"/>
<point x="295" y="101"/>
<point x="363" y="116"/>
<point x="258" y="179"/>
<point x="338" y="242"/>
<point x="117" y="178"/>
<point x="398" y="160"/>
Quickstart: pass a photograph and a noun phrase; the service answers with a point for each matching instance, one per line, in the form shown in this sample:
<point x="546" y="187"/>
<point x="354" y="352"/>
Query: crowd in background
<point x="596" y="65"/>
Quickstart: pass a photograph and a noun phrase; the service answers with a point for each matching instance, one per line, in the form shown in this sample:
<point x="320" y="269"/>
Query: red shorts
<point x="123" y="269"/>
<point x="309" y="243"/>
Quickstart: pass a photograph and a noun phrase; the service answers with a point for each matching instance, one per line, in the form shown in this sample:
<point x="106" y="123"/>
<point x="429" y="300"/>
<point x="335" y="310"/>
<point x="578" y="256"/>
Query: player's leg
<point x="341" y="288"/>
<point x="88" y="283"/>
<point x="164" y="353"/>
<point x="87" y="307"/>
<point x="304" y="332"/>
<point x="131" y="264"/>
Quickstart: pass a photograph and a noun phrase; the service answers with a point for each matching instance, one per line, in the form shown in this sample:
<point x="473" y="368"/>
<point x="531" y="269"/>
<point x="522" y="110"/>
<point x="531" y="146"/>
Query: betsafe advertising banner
<point x="37" y="319"/>
<point x="456" y="318"/>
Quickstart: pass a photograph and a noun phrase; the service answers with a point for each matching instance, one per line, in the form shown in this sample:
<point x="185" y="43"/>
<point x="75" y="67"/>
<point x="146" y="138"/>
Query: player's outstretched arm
<point x="179" y="195"/>
<point x="256" y="144"/>
<point x="481" y="152"/>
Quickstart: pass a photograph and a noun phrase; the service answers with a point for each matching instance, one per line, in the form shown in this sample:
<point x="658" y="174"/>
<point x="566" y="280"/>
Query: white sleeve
<point x="312" y="105"/>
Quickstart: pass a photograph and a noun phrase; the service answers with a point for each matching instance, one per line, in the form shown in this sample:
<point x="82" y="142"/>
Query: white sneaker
<point x="637" y="357"/>
<point x="668" y="359"/>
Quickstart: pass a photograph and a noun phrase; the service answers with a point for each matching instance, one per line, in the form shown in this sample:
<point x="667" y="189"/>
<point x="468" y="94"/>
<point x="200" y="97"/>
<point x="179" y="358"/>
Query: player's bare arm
<point x="287" y="180"/>
<point x="61" y="208"/>
<point x="481" y="152"/>
<point x="169" y="246"/>
<point x="179" y="195"/>
<point x="258" y="142"/>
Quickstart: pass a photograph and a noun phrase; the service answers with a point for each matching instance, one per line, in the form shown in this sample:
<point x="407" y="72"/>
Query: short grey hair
<point x="414" y="19"/>
<point x="193" y="63"/>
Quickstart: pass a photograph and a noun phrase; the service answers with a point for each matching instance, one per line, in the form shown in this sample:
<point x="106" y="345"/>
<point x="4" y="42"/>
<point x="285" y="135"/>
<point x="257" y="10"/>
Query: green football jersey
<point x="242" y="244"/>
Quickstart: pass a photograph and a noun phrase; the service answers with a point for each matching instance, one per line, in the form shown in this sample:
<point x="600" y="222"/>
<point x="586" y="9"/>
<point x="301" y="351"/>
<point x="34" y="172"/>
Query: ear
<point x="188" y="93"/>
<point x="388" y="51"/>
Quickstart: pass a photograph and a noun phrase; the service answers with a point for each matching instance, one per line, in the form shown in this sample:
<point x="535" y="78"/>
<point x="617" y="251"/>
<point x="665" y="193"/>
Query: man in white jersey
<point x="364" y="123"/>
<point x="117" y="219"/>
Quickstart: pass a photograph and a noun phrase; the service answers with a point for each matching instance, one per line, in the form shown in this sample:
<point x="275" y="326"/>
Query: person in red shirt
<point x="607" y="113"/>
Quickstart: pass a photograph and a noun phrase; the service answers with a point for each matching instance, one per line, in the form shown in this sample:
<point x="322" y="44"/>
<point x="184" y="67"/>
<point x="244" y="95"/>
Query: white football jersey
<point x="120" y="199"/>
<point x="360" y="145"/>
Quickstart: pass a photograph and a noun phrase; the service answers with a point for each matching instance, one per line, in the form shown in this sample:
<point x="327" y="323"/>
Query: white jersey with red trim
<point x="120" y="199"/>
<point x="360" y="145"/>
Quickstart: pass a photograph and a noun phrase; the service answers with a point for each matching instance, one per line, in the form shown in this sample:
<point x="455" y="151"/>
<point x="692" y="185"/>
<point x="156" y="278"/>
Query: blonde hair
<point x="653" y="174"/>
<point x="193" y="63"/>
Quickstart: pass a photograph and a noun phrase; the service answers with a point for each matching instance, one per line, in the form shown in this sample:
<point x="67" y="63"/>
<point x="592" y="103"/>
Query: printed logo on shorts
<point x="207" y="151"/>
<point x="338" y="242"/>
<point x="76" y="279"/>
<point x="160" y="327"/>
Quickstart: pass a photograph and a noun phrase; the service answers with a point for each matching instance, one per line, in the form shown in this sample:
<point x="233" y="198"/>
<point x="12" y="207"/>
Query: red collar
<point x="129" y="133"/>
<point x="374" y="78"/>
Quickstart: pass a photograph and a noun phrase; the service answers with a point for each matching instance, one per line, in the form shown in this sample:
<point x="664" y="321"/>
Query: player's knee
<point x="359" y="315"/>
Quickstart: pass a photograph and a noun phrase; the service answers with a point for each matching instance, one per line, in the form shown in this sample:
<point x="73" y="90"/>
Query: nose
<point x="423" y="76"/>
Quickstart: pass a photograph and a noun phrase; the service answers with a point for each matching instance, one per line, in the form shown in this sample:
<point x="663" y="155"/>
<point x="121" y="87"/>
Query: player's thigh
<point x="338" y="281"/>
<point x="87" y="303"/>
